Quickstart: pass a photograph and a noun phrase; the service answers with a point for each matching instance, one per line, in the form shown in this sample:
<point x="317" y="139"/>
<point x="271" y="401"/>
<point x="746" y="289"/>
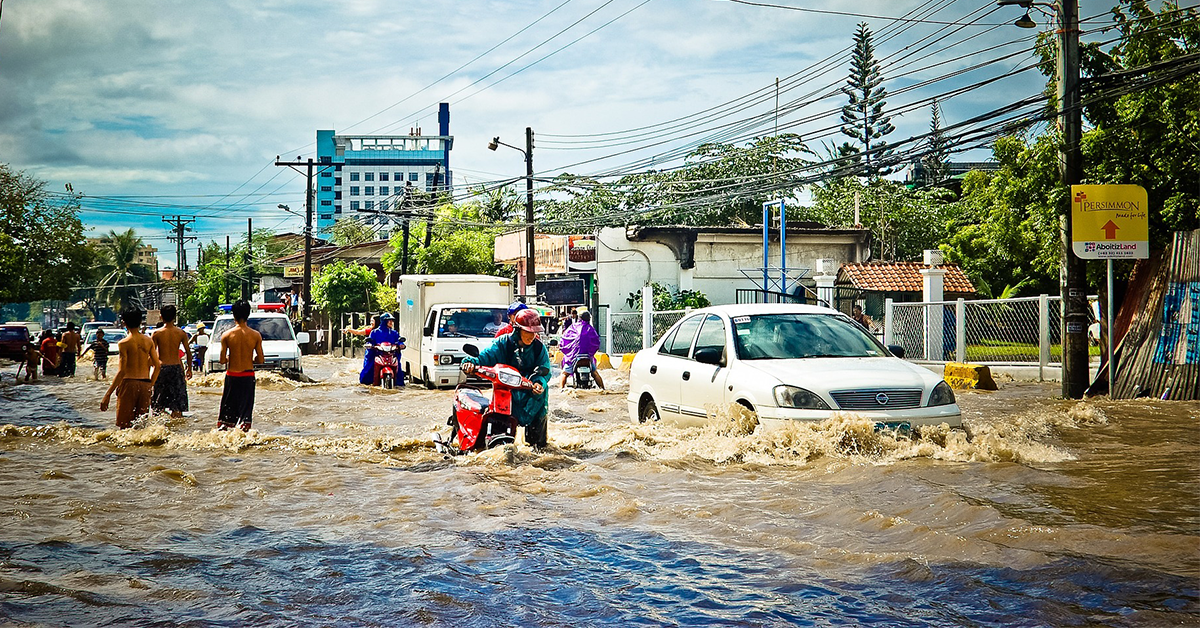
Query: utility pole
<point x="225" y="277"/>
<point x="1075" y="374"/>
<point x="530" y="268"/>
<point x="179" y="225"/>
<point x="306" y="292"/>
<point x="404" y="210"/>
<point x="246" y="259"/>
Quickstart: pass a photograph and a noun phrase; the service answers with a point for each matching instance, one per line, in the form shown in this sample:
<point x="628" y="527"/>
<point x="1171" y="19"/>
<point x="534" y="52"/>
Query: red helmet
<point x="528" y="320"/>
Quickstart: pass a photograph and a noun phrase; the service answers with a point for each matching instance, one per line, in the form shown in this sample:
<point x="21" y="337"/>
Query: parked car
<point x="111" y="334"/>
<point x="281" y="345"/>
<point x="13" y="339"/>
<point x="783" y="362"/>
<point x="90" y="325"/>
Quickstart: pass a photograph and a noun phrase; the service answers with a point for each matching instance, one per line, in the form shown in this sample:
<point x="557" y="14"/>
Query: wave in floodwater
<point x="731" y="437"/>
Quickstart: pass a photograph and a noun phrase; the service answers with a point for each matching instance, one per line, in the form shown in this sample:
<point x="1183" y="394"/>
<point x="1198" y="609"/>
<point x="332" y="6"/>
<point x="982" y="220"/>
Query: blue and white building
<point x="374" y="172"/>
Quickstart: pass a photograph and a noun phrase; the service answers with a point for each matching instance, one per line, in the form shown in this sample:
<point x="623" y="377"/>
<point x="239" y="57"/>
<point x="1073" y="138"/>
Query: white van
<point x="281" y="347"/>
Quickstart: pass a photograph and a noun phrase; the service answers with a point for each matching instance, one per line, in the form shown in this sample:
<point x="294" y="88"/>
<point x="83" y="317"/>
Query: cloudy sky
<point x="180" y="107"/>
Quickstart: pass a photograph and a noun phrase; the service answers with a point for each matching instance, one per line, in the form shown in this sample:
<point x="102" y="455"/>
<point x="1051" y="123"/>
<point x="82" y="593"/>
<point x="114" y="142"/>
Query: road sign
<point x="1110" y="222"/>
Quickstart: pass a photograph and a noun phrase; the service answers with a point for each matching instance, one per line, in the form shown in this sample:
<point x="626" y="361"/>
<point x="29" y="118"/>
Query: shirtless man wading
<point x="133" y="380"/>
<point x="241" y="349"/>
<point x="170" y="388"/>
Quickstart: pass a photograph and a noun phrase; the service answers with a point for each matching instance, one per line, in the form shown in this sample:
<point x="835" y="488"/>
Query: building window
<point x="383" y="176"/>
<point x="337" y="196"/>
<point x="326" y="188"/>
<point x="326" y="173"/>
<point x="326" y="216"/>
<point x="368" y="176"/>
<point x="354" y="176"/>
<point x="337" y="210"/>
<point x="337" y="181"/>
<point x="354" y="190"/>
<point x="383" y="190"/>
<point x="414" y="176"/>
<point x="327" y="202"/>
<point x="337" y="168"/>
<point x="369" y="190"/>
<point x="354" y="205"/>
<point x="369" y="205"/>
<point x="397" y="176"/>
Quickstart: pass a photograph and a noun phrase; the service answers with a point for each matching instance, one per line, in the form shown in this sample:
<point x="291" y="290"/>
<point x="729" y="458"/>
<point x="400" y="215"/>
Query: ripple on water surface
<point x="549" y="577"/>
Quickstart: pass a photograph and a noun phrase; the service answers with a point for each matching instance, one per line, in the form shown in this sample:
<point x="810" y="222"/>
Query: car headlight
<point x="942" y="395"/>
<point x="511" y="380"/>
<point x="445" y="358"/>
<point x="289" y="364"/>
<point x="796" y="397"/>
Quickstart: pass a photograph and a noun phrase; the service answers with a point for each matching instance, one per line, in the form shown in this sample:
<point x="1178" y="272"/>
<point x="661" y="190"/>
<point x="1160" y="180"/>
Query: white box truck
<point x="441" y="313"/>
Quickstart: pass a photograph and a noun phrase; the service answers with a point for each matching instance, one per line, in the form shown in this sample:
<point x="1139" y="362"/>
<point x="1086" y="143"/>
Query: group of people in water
<point x="153" y="369"/>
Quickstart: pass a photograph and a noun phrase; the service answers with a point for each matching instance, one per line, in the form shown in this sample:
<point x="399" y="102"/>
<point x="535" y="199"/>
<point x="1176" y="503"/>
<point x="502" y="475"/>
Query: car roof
<point x="750" y="309"/>
<point x="226" y="317"/>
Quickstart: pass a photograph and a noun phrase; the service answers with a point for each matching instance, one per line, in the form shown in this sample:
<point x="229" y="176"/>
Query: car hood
<point x="823" y="374"/>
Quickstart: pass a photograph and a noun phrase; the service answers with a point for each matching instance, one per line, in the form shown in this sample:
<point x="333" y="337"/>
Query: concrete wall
<point x="624" y="266"/>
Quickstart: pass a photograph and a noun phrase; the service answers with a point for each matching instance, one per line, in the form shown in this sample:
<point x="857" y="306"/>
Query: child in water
<point x="32" y="356"/>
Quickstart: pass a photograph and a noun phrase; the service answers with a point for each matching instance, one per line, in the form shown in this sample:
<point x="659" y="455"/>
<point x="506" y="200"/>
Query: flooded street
<point x="336" y="511"/>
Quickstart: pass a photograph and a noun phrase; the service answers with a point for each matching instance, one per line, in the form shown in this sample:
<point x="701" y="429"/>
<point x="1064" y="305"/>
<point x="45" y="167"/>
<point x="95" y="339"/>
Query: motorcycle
<point x="387" y="365"/>
<point x="478" y="422"/>
<point x="582" y="371"/>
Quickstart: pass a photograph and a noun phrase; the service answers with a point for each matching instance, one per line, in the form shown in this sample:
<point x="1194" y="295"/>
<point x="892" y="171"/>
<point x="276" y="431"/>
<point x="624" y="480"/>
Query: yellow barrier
<point x="602" y="361"/>
<point x="626" y="362"/>
<point x="962" y="376"/>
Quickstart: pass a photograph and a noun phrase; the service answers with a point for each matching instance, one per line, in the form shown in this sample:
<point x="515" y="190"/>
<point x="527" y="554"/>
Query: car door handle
<point x="654" y="369"/>
<point x="687" y="375"/>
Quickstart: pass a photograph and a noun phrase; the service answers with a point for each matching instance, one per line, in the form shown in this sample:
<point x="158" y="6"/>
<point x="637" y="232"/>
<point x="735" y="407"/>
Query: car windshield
<point x="271" y="328"/>
<point x="13" y="333"/>
<point x="793" y="336"/>
<point x="471" y="322"/>
<point x="110" y="336"/>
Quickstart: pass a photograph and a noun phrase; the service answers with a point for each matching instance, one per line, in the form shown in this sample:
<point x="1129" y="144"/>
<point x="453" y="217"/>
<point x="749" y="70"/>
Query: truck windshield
<point x="471" y="322"/>
<point x="271" y="327"/>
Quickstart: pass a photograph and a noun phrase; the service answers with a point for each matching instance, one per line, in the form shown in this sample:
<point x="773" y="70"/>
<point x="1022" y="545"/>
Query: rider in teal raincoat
<point x="524" y="351"/>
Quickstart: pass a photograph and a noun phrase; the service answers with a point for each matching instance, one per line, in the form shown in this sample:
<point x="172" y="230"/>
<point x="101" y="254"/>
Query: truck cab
<point x="448" y="327"/>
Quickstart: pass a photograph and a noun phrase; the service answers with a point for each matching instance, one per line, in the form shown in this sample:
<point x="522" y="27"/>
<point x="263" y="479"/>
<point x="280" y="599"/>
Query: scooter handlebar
<point x="497" y="376"/>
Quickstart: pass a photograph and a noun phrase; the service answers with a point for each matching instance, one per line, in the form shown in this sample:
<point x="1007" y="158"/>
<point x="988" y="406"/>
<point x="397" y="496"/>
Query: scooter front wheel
<point x="387" y="380"/>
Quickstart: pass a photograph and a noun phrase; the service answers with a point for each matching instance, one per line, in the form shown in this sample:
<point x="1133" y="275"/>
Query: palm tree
<point x="120" y="269"/>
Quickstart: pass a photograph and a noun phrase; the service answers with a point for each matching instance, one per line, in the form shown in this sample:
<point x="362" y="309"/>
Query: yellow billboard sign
<point x="1110" y="222"/>
<point x="297" y="270"/>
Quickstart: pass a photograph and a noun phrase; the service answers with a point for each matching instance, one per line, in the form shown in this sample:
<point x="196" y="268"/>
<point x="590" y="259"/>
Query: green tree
<point x="123" y="279"/>
<point x="937" y="149"/>
<point x="462" y="243"/>
<point x="863" y="119"/>
<point x="348" y="232"/>
<point x="903" y="222"/>
<point x="43" y="252"/>
<point x="201" y="292"/>
<point x="342" y="287"/>
<point x="719" y="184"/>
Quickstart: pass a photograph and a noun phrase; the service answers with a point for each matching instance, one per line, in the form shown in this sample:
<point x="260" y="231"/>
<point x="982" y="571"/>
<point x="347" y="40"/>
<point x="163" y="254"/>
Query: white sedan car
<point x="782" y="362"/>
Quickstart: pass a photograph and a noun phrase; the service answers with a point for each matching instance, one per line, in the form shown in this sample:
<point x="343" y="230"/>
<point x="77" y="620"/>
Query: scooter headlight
<point x="512" y="380"/>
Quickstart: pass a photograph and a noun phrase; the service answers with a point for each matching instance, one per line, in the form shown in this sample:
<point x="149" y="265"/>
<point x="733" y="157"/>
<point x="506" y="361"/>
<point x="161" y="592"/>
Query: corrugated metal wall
<point x="1160" y="354"/>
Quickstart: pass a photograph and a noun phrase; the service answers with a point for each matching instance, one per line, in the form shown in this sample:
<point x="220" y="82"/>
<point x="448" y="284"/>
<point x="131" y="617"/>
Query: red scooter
<point x="386" y="364"/>
<point x="478" y="422"/>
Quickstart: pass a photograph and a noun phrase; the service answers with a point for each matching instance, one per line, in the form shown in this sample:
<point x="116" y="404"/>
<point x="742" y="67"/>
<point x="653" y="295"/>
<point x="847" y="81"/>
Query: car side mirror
<point x="709" y="355"/>
<point x="302" y="338"/>
<point x="896" y="350"/>
<point x="471" y="350"/>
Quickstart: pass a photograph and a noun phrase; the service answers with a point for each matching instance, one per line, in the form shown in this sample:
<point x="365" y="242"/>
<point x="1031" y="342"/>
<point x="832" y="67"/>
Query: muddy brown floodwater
<point x="337" y="511"/>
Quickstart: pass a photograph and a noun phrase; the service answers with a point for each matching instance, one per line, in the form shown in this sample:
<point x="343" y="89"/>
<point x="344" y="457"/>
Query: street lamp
<point x="1073" y="289"/>
<point x="530" y="271"/>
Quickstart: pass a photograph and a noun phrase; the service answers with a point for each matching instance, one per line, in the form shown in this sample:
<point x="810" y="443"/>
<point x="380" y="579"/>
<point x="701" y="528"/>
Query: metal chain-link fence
<point x="1024" y="330"/>
<point x="626" y="332"/>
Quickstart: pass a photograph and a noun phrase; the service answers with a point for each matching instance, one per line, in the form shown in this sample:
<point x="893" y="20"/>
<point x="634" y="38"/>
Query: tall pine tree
<point x="862" y="117"/>
<point x="936" y="150"/>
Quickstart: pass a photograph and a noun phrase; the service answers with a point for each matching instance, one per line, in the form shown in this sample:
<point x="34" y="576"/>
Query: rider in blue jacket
<point x="381" y="334"/>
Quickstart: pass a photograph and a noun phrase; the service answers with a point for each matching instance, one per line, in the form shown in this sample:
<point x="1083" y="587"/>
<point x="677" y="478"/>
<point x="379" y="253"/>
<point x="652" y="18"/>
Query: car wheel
<point x="648" y="412"/>
<point x="428" y="382"/>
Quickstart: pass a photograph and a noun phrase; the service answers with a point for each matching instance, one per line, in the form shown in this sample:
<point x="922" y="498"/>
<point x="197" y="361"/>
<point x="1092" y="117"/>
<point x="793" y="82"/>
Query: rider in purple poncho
<point x="580" y="339"/>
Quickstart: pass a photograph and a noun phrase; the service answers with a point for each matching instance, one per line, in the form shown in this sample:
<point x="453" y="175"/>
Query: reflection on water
<point x="335" y="510"/>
